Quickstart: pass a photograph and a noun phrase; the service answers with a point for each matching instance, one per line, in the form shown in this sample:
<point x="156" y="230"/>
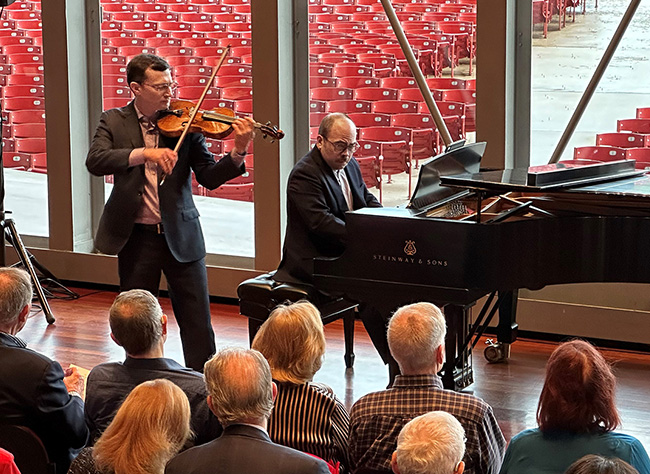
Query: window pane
<point x="192" y="36"/>
<point x="564" y="60"/>
<point x="357" y="67"/>
<point x="23" y="117"/>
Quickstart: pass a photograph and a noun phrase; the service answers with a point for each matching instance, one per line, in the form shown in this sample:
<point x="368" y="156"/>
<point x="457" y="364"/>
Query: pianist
<point x="322" y="186"/>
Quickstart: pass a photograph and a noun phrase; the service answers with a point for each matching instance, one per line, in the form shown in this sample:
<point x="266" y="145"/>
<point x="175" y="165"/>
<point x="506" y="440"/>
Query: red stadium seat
<point x="640" y="155"/>
<point x="622" y="140"/>
<point x="329" y="93"/>
<point x="30" y="145"/>
<point x="29" y="130"/>
<point x="398" y="82"/>
<point x="17" y="160"/>
<point x="445" y="83"/>
<point x="395" y="148"/>
<point x="375" y="93"/>
<point x="233" y="81"/>
<point x="637" y="125"/>
<point x="394" y="107"/>
<point x="335" y="58"/>
<point x="371" y="170"/>
<point x="236" y="93"/>
<point x="315" y="118"/>
<point x="236" y="70"/>
<point x="319" y="106"/>
<point x="192" y="70"/>
<point x="235" y="192"/>
<point x="27" y="116"/>
<point x="467" y="97"/>
<point x="320" y="70"/>
<point x="30" y="91"/>
<point x="322" y="82"/>
<point x="354" y="82"/>
<point x="423" y="134"/>
<point x="643" y="112"/>
<point x="368" y="119"/>
<point x="348" y="106"/>
<point x="157" y="42"/>
<point x="599" y="153"/>
<point x="216" y="8"/>
<point x="126" y="41"/>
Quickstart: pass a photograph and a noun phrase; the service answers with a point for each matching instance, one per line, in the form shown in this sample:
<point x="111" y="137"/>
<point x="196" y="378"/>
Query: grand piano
<point x="468" y="234"/>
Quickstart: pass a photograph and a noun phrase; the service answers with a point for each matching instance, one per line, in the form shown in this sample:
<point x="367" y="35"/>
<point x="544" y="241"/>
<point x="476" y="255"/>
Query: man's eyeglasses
<point x="341" y="146"/>
<point x="163" y="87"/>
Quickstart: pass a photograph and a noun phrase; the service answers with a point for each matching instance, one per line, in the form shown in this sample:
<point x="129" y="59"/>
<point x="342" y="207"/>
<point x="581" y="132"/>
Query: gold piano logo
<point x="410" y="249"/>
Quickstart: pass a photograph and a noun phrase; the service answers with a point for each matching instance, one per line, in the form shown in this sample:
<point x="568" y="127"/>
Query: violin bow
<point x="198" y="106"/>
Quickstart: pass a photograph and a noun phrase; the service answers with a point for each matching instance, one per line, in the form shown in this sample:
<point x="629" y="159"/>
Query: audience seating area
<point x="631" y="141"/>
<point x="356" y="67"/>
<point x="545" y="10"/>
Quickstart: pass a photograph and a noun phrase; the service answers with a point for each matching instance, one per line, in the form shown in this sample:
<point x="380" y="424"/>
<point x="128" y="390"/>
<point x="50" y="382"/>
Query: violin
<point x="215" y="123"/>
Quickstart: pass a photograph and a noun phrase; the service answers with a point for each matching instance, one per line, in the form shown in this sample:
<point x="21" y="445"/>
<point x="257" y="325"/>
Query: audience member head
<point x="137" y="322"/>
<point x="337" y="140"/>
<point x="150" y="427"/>
<point x="597" y="464"/>
<point x="293" y="341"/>
<point x="15" y="299"/>
<point x="137" y="68"/>
<point x="239" y="386"/>
<point x="433" y="443"/>
<point x="416" y="336"/>
<point x="579" y="391"/>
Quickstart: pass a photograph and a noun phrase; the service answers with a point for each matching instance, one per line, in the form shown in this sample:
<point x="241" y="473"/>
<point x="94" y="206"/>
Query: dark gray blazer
<point x="116" y="136"/>
<point x="32" y="394"/>
<point x="316" y="215"/>
<point x="243" y="449"/>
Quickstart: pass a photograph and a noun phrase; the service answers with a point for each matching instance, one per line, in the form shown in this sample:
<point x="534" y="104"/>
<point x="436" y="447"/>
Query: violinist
<point x="154" y="227"/>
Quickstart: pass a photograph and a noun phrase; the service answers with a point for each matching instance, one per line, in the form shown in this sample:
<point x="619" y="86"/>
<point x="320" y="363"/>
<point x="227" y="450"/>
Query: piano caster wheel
<point x="496" y="351"/>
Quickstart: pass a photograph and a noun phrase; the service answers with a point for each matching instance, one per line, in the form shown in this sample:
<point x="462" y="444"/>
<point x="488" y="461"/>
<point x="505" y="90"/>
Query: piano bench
<point x="258" y="296"/>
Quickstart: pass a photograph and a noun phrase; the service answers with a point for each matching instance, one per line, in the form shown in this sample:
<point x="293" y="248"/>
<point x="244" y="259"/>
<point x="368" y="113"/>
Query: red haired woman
<point x="576" y="416"/>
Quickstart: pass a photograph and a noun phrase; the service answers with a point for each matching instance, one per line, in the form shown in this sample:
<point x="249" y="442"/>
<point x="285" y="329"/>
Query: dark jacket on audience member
<point x="244" y="449"/>
<point x="32" y="394"/>
<point x="109" y="384"/>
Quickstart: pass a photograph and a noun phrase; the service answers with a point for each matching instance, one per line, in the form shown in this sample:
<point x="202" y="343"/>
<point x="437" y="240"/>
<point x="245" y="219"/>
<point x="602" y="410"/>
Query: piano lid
<point x="455" y="160"/>
<point x="544" y="178"/>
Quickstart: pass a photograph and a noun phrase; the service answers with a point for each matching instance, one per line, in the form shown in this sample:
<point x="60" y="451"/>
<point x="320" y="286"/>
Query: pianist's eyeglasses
<point x="163" y="87"/>
<point x="341" y="146"/>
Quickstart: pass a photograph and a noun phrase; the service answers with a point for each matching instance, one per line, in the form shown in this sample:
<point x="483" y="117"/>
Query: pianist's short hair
<point x="136" y="321"/>
<point x="579" y="391"/>
<point x="414" y="333"/>
<point x="433" y="443"/>
<point x="293" y="341"/>
<point x="137" y="67"/>
<point x="15" y="293"/>
<point x="240" y="385"/>
<point x="597" y="464"/>
<point x="328" y="122"/>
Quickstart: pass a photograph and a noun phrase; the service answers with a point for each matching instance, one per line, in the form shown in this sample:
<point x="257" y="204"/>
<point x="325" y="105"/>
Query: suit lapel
<point x="131" y="126"/>
<point x="358" y="200"/>
<point x="332" y="183"/>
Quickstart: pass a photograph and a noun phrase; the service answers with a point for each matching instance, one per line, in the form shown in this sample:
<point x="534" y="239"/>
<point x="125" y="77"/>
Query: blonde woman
<point x="307" y="416"/>
<point x="150" y="427"/>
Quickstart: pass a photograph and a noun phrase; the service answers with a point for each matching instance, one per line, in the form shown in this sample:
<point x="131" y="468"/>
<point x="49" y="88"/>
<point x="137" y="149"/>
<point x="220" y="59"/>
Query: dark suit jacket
<point x="32" y="394"/>
<point x="316" y="215"/>
<point x="116" y="136"/>
<point x="108" y="385"/>
<point x="243" y="449"/>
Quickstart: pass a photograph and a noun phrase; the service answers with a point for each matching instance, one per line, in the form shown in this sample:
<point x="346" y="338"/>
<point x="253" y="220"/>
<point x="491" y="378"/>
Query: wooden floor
<point x="81" y="336"/>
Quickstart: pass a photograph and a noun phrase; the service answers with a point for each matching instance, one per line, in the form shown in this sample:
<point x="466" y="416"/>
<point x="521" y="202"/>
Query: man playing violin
<point x="154" y="227"/>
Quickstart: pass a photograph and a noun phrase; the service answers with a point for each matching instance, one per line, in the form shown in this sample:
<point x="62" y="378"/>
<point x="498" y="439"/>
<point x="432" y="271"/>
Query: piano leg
<point x="506" y="329"/>
<point x="457" y="372"/>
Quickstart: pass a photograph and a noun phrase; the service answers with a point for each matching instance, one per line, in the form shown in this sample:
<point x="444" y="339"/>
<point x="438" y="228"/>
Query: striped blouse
<point x="311" y="419"/>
